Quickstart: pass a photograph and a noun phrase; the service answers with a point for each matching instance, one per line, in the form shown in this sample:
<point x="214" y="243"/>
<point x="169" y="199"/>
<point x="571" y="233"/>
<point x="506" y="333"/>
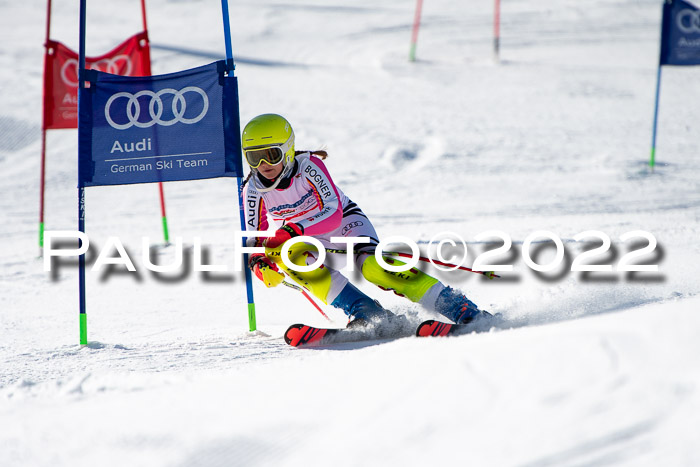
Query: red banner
<point x="130" y="58"/>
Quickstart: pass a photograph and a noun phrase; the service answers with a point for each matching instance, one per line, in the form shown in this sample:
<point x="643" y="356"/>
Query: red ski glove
<point x="283" y="234"/>
<point x="258" y="261"/>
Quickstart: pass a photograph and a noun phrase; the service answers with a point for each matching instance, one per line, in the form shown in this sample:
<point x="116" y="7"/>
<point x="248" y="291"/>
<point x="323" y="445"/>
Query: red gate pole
<point x="143" y="14"/>
<point x="414" y="35"/>
<point x="496" y="29"/>
<point x="164" y="218"/>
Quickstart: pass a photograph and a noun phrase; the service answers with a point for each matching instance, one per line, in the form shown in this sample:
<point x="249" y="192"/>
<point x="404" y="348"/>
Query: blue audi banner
<point x="180" y="126"/>
<point x="680" y="34"/>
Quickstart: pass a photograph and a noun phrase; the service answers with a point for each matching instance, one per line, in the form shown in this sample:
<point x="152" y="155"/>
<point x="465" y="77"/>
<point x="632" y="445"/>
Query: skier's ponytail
<point x="245" y="181"/>
<point x="320" y="153"/>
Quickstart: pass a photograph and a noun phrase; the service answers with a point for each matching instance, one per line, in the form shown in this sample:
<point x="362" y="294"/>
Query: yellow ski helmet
<point x="269" y="138"/>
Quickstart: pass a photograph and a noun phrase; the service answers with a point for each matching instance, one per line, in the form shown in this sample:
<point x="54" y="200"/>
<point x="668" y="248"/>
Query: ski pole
<point x="308" y="297"/>
<point x="489" y="274"/>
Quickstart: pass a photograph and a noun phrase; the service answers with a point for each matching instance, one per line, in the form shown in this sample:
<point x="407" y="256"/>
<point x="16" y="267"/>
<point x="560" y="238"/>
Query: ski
<point x="301" y="334"/>
<point x="437" y="328"/>
<point x="298" y="335"/>
<point x="434" y="327"/>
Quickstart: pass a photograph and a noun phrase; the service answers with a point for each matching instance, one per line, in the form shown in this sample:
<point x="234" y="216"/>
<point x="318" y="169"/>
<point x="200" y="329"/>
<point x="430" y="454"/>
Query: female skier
<point x="295" y="188"/>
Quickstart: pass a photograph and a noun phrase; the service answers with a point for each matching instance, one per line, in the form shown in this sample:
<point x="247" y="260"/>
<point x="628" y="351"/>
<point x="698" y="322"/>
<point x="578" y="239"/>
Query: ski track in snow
<point x="579" y="369"/>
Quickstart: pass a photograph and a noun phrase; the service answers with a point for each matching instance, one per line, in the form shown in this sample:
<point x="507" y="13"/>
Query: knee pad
<point x="412" y="284"/>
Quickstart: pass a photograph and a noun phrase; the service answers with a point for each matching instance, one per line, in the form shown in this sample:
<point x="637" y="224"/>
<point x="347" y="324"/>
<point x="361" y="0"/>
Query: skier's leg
<point x="421" y="288"/>
<point x="330" y="286"/>
<point x="414" y="284"/>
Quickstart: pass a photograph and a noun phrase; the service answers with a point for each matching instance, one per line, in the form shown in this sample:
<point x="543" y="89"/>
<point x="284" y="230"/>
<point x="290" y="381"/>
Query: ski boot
<point x="359" y="307"/>
<point x="367" y="314"/>
<point x="454" y="305"/>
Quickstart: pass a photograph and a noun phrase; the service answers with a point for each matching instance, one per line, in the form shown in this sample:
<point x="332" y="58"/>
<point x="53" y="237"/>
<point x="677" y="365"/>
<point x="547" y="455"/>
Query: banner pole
<point x="496" y="30"/>
<point x="652" y="160"/>
<point x="414" y="34"/>
<point x="81" y="189"/>
<point x="42" y="176"/>
<point x="81" y="268"/>
<point x="252" y="324"/>
<point x="227" y="36"/>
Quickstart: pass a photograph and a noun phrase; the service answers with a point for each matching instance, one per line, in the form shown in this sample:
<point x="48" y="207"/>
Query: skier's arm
<point x="331" y="210"/>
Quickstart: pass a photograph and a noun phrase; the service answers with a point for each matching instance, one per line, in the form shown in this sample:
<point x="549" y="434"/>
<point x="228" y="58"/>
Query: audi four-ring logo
<point x="117" y="65"/>
<point x="688" y="21"/>
<point x="155" y="108"/>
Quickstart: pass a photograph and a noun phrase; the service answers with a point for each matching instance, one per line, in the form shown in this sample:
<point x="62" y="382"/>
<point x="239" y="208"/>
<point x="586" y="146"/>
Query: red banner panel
<point x="130" y="58"/>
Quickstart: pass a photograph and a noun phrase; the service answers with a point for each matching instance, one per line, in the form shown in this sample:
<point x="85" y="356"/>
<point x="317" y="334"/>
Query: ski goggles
<point x="272" y="155"/>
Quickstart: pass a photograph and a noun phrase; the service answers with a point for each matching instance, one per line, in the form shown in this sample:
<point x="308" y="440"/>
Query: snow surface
<point x="585" y="369"/>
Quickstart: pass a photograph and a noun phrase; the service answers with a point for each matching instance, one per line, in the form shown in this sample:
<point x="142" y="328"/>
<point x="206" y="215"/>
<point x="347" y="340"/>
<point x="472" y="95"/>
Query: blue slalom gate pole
<point x="656" y="117"/>
<point x="227" y="36"/>
<point x="81" y="189"/>
<point x="248" y="276"/>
